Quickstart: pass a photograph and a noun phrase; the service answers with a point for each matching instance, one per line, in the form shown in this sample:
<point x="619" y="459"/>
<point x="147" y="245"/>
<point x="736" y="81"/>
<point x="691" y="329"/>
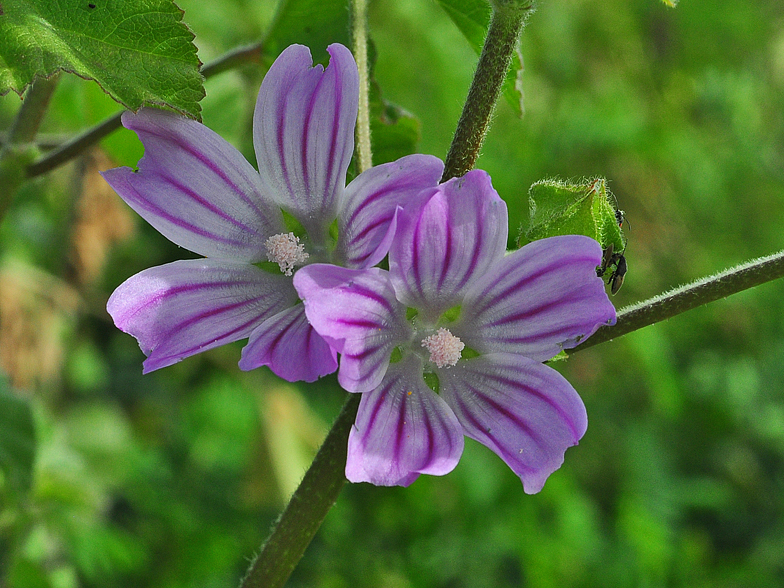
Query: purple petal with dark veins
<point x="403" y="429"/>
<point x="539" y="300"/>
<point x="195" y="188"/>
<point x="182" y="308"/>
<point x="444" y="246"/>
<point x="290" y="347"/>
<point x="524" y="411"/>
<point x="356" y="312"/>
<point x="303" y="131"/>
<point x="366" y="218"/>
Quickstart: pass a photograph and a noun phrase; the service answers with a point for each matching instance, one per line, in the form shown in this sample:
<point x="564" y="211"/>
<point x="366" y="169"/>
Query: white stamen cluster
<point x="445" y="349"/>
<point x="286" y="251"/>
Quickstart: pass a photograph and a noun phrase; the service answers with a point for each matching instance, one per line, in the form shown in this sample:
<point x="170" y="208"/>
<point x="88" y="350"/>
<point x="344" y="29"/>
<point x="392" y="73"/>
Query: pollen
<point x="445" y="349"/>
<point x="286" y="251"/>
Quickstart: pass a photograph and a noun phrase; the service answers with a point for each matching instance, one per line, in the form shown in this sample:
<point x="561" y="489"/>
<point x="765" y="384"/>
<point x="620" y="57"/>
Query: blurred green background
<point x="173" y="479"/>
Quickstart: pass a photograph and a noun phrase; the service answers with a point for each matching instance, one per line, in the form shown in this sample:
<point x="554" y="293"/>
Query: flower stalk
<point x="506" y="23"/>
<point x="307" y="508"/>
<point x="702" y="291"/>
<point x="364" y="152"/>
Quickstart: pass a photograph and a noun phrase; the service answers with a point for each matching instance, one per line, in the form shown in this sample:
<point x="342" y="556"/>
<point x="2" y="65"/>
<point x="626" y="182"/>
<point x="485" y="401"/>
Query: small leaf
<point x="671" y="3"/>
<point x="562" y="208"/>
<point x="472" y="17"/>
<point x="138" y="51"/>
<point x="17" y="439"/>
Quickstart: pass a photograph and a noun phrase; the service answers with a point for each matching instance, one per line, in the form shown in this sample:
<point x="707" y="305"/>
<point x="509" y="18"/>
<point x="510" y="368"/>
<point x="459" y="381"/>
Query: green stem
<point x="81" y="142"/>
<point x="21" y="134"/>
<point x="506" y="23"/>
<point x="360" y="55"/>
<point x="702" y="291"/>
<point x="307" y="508"/>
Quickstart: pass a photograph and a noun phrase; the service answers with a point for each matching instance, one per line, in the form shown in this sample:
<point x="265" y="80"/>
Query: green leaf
<point x="17" y="439"/>
<point x="586" y="208"/>
<point x="315" y="23"/>
<point x="138" y="51"/>
<point x="671" y="3"/>
<point x="472" y="17"/>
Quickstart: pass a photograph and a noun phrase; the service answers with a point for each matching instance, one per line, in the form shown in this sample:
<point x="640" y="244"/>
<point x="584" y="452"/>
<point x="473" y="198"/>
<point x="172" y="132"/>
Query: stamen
<point x="286" y="251"/>
<point x="445" y="349"/>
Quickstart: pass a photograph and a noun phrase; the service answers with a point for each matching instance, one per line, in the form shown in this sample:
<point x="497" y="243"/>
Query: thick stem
<point x="494" y="61"/>
<point x="699" y="292"/>
<point x="307" y="508"/>
<point x="360" y="55"/>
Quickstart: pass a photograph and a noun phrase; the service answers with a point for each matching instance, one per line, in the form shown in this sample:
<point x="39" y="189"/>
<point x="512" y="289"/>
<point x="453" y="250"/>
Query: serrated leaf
<point x="17" y="439"/>
<point x="472" y="17"/>
<point x="315" y="23"/>
<point x="139" y="51"/>
<point x="586" y="208"/>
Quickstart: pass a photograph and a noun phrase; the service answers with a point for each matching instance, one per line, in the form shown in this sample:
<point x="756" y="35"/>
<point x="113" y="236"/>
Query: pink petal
<point x="290" y="347"/>
<point x="186" y="307"/>
<point x="403" y="429"/>
<point x="524" y="411"/>
<point x="195" y="188"/>
<point x="538" y="300"/>
<point x="303" y="131"/>
<point x="356" y="312"/>
<point x="443" y="246"/>
<point x="366" y="221"/>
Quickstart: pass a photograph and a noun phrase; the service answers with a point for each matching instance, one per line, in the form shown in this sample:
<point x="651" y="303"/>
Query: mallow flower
<point x="450" y="340"/>
<point x="256" y="228"/>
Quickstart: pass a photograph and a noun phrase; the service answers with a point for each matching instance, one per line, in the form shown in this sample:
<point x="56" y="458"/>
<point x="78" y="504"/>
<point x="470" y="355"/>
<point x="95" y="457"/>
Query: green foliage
<point x="315" y="23"/>
<point x="169" y="480"/>
<point x="472" y="17"/>
<point x="562" y="208"/>
<point x="138" y="51"/>
<point x="17" y="440"/>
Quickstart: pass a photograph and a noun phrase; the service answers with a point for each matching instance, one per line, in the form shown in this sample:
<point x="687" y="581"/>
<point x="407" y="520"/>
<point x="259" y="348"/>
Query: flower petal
<point x="366" y="222"/>
<point x="195" y="188"/>
<point x="290" y="347"/>
<point x="538" y="300"/>
<point x="303" y="131"/>
<point x="356" y="312"/>
<point x="442" y="247"/>
<point x="182" y="308"/>
<point x="524" y="411"/>
<point x="403" y="429"/>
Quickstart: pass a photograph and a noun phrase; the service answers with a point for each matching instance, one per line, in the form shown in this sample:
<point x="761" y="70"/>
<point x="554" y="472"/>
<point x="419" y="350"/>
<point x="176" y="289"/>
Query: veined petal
<point x="195" y="188"/>
<point x="403" y="429"/>
<point x="303" y="130"/>
<point x="366" y="220"/>
<point x="182" y="308"/>
<point x="524" y="411"/>
<point x="539" y="300"/>
<point x="356" y="312"/>
<point x="442" y="246"/>
<point x="290" y="347"/>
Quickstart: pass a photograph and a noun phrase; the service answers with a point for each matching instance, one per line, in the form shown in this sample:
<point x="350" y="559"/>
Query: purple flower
<point x="201" y="193"/>
<point x="449" y="342"/>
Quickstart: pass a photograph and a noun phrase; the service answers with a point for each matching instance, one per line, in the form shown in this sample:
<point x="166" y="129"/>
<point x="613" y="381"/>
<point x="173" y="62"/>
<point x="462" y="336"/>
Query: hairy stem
<point x="502" y="34"/>
<point x="699" y="292"/>
<point x="359" y="17"/>
<point x="91" y="136"/>
<point x="307" y="508"/>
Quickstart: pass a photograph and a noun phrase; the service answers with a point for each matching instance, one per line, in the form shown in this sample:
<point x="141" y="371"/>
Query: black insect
<point x="91" y="5"/>
<point x="610" y="259"/>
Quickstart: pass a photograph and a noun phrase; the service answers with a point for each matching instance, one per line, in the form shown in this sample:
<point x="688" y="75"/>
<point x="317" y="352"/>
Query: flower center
<point x="445" y="349"/>
<point x="286" y="250"/>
